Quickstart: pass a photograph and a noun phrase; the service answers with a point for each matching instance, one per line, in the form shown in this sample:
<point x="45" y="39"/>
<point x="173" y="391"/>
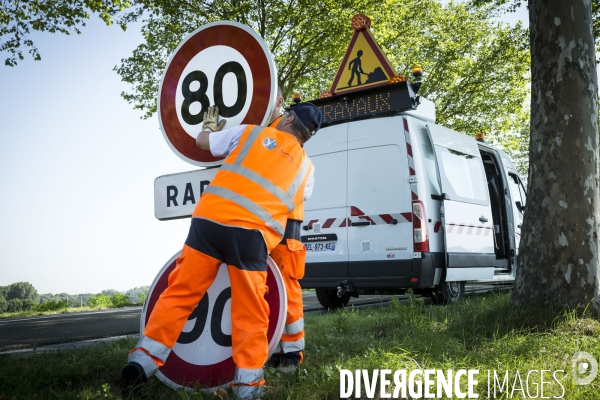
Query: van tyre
<point x="448" y="293"/>
<point x="329" y="298"/>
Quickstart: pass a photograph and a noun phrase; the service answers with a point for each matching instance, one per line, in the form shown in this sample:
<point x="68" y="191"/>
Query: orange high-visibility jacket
<point x="260" y="182"/>
<point x="298" y="212"/>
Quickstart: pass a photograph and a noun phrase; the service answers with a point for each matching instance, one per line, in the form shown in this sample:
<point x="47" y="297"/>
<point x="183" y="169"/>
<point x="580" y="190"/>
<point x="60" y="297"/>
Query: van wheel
<point x="329" y="298"/>
<point x="448" y="293"/>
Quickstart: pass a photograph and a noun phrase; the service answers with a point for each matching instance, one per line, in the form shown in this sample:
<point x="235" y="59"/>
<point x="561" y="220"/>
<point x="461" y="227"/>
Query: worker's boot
<point x="133" y="378"/>
<point x="289" y="362"/>
<point x="274" y="361"/>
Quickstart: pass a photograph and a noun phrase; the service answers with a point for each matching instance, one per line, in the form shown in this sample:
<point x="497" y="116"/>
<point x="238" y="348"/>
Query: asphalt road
<point x="33" y="332"/>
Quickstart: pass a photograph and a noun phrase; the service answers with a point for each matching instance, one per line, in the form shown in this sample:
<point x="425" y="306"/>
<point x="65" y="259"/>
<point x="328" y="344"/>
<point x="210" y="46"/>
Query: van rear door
<point x="466" y="212"/>
<point x="380" y="234"/>
<point x="325" y="234"/>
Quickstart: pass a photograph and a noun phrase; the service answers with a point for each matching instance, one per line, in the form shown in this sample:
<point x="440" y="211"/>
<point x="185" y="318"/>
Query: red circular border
<point x="224" y="35"/>
<point x="189" y="375"/>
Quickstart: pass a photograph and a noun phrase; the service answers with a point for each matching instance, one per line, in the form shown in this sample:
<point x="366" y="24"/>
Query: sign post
<point x="225" y="64"/>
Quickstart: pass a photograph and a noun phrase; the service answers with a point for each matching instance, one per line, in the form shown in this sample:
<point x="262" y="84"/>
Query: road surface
<point x="32" y="332"/>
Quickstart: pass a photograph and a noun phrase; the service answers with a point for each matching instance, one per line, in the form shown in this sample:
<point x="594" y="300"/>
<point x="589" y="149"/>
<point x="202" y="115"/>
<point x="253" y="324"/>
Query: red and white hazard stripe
<point x="458" y="228"/>
<point x="376" y="219"/>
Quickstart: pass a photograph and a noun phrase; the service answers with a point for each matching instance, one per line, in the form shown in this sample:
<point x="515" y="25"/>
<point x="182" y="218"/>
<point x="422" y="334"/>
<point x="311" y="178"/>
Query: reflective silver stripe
<point x="155" y="348"/>
<point x="295" y="327"/>
<point x="299" y="178"/>
<point x="259" y="180"/>
<point x="244" y="377"/>
<point x="248" y="205"/>
<point x="248" y="144"/>
<point x="247" y="376"/>
<point x="147" y="363"/>
<point x="288" y="347"/>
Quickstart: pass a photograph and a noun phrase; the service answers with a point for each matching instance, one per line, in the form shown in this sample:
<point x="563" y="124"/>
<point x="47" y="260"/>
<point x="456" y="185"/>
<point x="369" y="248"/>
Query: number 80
<point x="200" y="94"/>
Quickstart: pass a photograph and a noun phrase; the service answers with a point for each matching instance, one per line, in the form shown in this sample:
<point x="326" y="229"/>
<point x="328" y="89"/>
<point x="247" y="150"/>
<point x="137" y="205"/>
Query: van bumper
<point x="397" y="274"/>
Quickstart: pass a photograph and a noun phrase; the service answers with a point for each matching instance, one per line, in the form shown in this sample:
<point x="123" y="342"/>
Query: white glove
<point x="210" y="120"/>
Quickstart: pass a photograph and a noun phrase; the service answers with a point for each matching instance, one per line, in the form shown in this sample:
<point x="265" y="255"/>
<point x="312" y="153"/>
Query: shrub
<point x="99" y="301"/>
<point x="119" y="300"/>
<point x="53" y="305"/>
<point x="142" y="297"/>
<point x="17" y="305"/>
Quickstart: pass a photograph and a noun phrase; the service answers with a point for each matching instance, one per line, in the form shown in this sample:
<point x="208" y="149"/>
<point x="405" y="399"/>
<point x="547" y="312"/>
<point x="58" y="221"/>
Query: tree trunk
<point x="558" y="254"/>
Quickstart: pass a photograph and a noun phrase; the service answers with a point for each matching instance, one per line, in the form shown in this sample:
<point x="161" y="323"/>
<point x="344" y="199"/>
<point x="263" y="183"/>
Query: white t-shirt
<point x="223" y="142"/>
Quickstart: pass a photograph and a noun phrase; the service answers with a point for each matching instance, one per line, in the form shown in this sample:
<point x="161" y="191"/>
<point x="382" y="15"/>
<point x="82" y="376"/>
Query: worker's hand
<point x="210" y="120"/>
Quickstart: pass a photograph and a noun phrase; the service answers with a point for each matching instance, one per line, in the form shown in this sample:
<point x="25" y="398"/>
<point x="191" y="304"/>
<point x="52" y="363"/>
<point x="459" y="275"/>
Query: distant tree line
<point x="18" y="297"/>
<point x="22" y="296"/>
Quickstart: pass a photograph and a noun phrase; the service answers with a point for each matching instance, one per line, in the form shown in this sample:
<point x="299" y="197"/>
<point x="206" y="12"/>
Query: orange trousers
<point x="207" y="247"/>
<point x="290" y="257"/>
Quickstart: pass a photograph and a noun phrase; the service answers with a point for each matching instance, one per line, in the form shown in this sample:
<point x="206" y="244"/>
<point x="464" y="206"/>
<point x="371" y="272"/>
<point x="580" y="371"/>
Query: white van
<point x="400" y="202"/>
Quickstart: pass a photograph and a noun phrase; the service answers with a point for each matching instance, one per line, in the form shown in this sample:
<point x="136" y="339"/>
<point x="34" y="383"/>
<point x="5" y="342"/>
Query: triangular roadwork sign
<point x="364" y="64"/>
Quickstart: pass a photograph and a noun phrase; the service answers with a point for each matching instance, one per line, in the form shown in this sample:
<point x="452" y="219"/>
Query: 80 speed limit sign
<point x="224" y="64"/>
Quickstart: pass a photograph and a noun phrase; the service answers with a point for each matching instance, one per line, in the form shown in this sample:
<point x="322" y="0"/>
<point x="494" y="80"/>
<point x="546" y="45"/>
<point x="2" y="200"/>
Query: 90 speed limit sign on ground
<point x="225" y="64"/>
<point x="202" y="355"/>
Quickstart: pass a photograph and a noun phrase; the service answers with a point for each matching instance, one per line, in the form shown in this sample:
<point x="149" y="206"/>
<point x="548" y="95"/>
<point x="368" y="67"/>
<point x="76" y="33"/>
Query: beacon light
<point x="360" y="22"/>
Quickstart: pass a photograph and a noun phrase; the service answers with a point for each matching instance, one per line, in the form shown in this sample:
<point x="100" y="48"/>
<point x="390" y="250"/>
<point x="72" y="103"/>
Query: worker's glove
<point x="210" y="120"/>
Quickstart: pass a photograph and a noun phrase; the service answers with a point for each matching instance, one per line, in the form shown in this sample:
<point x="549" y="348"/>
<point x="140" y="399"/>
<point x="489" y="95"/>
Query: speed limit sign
<point x="225" y="64"/>
<point x="202" y="355"/>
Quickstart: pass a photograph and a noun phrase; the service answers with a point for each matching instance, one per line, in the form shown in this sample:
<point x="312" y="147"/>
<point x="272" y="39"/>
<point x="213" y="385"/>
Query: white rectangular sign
<point x="176" y="195"/>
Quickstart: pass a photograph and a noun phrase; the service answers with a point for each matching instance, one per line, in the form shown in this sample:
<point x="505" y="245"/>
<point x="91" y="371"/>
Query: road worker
<point x="290" y="257"/>
<point x="239" y="219"/>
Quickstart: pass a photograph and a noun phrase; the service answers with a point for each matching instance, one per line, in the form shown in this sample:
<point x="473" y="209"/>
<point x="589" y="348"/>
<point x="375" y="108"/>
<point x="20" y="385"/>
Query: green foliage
<point x="483" y="332"/>
<point x="115" y="300"/>
<point x="119" y="300"/>
<point x="516" y="145"/>
<point x="19" y="290"/>
<point x="100" y="301"/>
<point x="110" y="292"/>
<point x="307" y="39"/>
<point x="475" y="70"/>
<point x="18" y="305"/>
<point x="53" y="305"/>
<point x="19" y="18"/>
<point x="503" y="6"/>
<point x="142" y="297"/>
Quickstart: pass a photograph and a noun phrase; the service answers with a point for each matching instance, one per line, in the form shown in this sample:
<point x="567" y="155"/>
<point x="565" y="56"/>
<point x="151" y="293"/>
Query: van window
<point x="517" y="192"/>
<point x="431" y="169"/>
<point x="462" y="176"/>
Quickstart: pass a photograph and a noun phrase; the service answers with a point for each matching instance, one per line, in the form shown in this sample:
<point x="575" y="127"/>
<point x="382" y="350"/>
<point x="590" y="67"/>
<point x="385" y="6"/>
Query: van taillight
<point x="420" y="236"/>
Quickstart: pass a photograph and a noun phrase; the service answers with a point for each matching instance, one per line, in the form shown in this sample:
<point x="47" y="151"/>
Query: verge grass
<point x="482" y="332"/>
<point x="67" y="310"/>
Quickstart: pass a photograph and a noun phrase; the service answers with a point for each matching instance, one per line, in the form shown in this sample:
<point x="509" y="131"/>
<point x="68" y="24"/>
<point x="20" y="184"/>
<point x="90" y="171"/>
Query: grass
<point x="483" y="332"/>
<point x="33" y="313"/>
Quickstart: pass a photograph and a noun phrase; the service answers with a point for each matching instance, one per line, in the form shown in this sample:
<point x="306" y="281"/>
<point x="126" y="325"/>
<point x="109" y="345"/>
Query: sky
<point x="77" y="169"/>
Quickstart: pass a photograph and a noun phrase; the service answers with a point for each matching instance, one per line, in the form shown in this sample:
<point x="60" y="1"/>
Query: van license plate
<point x="320" y="246"/>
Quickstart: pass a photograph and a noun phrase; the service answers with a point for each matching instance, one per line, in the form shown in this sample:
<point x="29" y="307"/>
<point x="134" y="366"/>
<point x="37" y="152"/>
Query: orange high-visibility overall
<point x="290" y="257"/>
<point x="240" y="217"/>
